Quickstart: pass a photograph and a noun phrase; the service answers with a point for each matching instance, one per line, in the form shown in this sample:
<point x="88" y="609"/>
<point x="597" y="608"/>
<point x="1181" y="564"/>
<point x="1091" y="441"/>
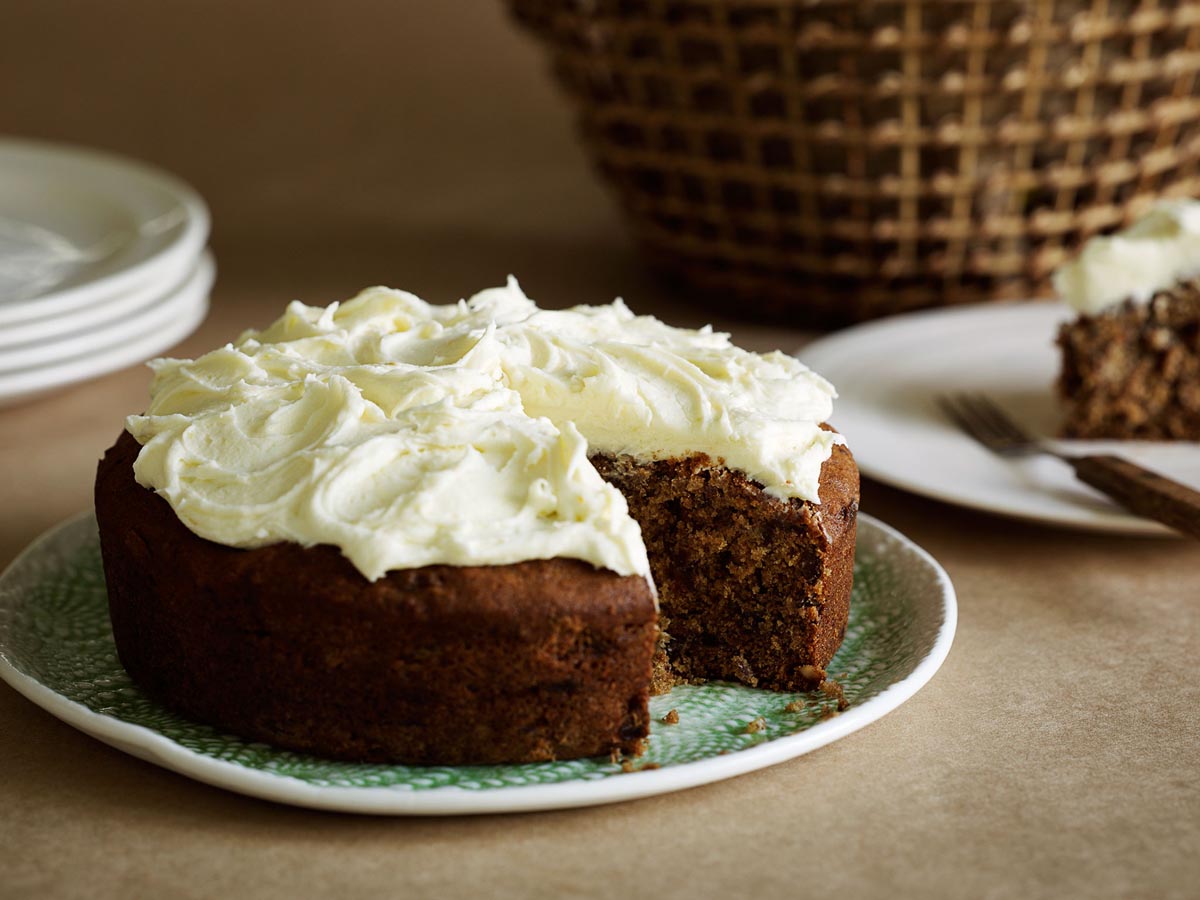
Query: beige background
<point x="1056" y="754"/>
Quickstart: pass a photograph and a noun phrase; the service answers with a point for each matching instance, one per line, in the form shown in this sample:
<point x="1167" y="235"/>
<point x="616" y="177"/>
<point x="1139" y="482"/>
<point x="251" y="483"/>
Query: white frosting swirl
<point x="1155" y="252"/>
<point x="408" y="434"/>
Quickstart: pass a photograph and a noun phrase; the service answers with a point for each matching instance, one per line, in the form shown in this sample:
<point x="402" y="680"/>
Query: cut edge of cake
<point x="1132" y="371"/>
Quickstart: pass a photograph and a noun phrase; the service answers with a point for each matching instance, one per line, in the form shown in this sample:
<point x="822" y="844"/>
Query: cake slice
<point x="1131" y="358"/>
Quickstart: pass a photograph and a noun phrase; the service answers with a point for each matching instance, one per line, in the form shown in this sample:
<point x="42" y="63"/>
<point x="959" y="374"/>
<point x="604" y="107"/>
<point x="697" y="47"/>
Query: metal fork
<point x="1139" y="490"/>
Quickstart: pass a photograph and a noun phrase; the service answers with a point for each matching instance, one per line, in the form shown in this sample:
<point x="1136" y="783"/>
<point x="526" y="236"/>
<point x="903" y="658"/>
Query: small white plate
<point x="79" y="227"/>
<point x="56" y="648"/>
<point x="889" y="373"/>
<point x="172" y="319"/>
<point x="159" y="310"/>
<point x="98" y="314"/>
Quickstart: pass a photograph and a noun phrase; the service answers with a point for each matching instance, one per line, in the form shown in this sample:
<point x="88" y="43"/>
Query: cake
<point x="390" y="531"/>
<point x="1131" y="358"/>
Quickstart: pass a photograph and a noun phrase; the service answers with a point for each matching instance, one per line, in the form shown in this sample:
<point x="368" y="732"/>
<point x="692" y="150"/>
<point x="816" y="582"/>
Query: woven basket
<point x="826" y="161"/>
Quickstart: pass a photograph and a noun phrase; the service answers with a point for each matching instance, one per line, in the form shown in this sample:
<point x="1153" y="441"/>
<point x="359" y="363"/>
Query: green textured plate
<point x="56" y="648"/>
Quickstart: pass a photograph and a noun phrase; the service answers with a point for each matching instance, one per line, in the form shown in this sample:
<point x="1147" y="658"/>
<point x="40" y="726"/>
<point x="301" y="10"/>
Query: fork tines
<point x="984" y="421"/>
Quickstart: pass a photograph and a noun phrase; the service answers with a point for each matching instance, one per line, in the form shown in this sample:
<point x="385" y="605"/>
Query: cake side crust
<point x="540" y="660"/>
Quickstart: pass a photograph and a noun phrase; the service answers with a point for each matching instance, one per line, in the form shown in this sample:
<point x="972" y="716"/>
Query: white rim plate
<point x="78" y="227"/>
<point x="98" y="314"/>
<point x="889" y="373"/>
<point x="174" y="318"/>
<point x="167" y="304"/>
<point x="909" y="590"/>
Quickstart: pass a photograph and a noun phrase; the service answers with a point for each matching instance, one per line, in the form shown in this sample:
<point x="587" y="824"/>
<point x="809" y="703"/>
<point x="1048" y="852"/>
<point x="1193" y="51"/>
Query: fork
<point x="1139" y="490"/>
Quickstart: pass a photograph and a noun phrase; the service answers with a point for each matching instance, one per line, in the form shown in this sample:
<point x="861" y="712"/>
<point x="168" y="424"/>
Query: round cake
<point x="481" y="533"/>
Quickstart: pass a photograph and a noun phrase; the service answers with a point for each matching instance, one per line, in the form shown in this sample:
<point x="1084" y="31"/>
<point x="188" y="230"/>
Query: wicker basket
<point x="826" y="161"/>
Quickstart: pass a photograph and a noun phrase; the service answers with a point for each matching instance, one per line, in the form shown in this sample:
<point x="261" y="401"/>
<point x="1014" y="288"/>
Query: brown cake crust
<point x="541" y="660"/>
<point x="1133" y="372"/>
<point x="752" y="588"/>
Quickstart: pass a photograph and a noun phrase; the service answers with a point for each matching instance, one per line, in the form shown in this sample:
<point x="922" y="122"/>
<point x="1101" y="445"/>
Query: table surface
<point x="1056" y="754"/>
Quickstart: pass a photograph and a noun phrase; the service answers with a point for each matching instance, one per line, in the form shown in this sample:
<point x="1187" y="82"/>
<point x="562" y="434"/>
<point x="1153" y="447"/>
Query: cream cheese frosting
<point x="410" y="434"/>
<point x="1157" y="251"/>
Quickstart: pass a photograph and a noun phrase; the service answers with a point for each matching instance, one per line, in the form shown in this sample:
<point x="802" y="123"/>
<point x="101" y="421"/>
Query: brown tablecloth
<point x="1056" y="754"/>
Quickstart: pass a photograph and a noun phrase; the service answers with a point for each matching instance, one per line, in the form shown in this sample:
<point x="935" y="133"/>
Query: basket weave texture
<point x="828" y="161"/>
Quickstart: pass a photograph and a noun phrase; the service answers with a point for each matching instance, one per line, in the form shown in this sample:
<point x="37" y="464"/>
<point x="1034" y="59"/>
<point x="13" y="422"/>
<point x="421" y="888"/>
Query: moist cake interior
<point x="1133" y="372"/>
<point x="751" y="588"/>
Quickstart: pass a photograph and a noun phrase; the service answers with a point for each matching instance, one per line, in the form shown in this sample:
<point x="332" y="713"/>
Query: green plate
<point x="56" y="648"/>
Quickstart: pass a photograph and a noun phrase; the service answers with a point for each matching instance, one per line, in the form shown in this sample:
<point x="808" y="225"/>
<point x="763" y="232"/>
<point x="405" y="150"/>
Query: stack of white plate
<point x="102" y="265"/>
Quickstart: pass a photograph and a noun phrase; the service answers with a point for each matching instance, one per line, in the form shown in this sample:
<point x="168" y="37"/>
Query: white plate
<point x="889" y="373"/>
<point x="159" y="310"/>
<point x="173" y="319"/>
<point x="97" y="314"/>
<point x="56" y="649"/>
<point x="79" y="227"/>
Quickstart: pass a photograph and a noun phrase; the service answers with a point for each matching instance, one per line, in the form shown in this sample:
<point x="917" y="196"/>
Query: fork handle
<point x="1142" y="491"/>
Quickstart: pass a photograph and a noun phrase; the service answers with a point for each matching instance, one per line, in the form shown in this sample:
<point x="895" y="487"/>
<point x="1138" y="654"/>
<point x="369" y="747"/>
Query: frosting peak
<point x="1151" y="255"/>
<point x="409" y="434"/>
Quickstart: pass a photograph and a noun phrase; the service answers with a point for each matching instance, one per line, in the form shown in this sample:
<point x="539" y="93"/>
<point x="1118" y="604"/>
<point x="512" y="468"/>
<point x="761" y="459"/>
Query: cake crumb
<point x="671" y="718"/>
<point x="759" y="724"/>
<point x="829" y="712"/>
<point x="650" y="765"/>
<point x="626" y="765"/>
<point x="614" y="755"/>
<point x="796" y="706"/>
<point x="834" y="690"/>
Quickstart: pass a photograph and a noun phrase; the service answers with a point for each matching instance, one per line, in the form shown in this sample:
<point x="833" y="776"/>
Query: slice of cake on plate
<point x="1131" y="360"/>
<point x="478" y="533"/>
